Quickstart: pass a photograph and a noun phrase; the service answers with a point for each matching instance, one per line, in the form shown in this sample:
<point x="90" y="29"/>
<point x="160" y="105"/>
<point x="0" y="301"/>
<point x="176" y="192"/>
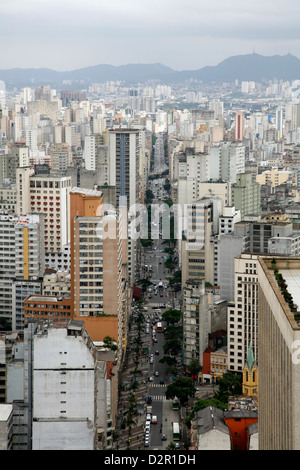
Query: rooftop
<point x="86" y="192"/>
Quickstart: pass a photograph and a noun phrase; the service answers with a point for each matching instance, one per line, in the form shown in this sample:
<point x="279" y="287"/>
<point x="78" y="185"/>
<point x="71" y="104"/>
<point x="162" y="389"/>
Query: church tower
<point x="250" y="375"/>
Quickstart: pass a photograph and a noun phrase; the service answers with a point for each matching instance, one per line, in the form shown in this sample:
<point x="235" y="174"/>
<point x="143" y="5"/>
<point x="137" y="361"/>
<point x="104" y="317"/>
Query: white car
<point x="148" y="417"/>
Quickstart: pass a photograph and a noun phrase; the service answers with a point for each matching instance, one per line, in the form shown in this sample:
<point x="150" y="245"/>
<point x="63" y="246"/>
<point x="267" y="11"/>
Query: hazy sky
<point x="183" y="34"/>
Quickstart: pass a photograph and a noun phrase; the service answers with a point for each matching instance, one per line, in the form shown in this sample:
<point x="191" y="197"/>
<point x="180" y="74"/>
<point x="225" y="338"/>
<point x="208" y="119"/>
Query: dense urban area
<point x="150" y="266"/>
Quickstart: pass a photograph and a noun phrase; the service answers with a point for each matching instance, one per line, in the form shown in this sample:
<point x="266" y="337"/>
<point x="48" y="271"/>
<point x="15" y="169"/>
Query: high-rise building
<point x="196" y="322"/>
<point x="278" y="353"/>
<point x="245" y="195"/>
<point x="124" y="158"/>
<point x="66" y="388"/>
<point x="22" y="264"/>
<point x="239" y="125"/>
<point x="98" y="286"/>
<point x="197" y="247"/>
<point x="242" y="321"/>
<point x="48" y="194"/>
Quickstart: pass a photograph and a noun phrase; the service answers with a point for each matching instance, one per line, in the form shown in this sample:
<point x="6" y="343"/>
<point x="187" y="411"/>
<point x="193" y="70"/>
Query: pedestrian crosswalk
<point x="159" y="398"/>
<point x="157" y="385"/>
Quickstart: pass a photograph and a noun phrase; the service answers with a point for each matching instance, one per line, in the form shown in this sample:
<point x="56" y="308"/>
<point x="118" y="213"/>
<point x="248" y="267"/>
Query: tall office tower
<point x="278" y="354"/>
<point x="50" y="195"/>
<point x="230" y="246"/>
<point x="239" y="126"/>
<point x="62" y="364"/>
<point x="124" y="159"/>
<point x="242" y="321"/>
<point x="245" y="195"/>
<point x="197" y="256"/>
<point x="196" y="321"/>
<point x="98" y="289"/>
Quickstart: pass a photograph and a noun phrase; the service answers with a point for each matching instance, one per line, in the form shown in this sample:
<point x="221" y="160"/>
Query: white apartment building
<point x="197" y="251"/>
<point x="242" y="321"/>
<point x="49" y="195"/>
<point x="72" y="413"/>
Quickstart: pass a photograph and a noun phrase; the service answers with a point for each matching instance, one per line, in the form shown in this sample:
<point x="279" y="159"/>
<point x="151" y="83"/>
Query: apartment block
<point x="196" y="321"/>
<point x="72" y="413"/>
<point x="98" y="280"/>
<point x="246" y="195"/>
<point x="242" y="321"/>
<point x="50" y="195"/>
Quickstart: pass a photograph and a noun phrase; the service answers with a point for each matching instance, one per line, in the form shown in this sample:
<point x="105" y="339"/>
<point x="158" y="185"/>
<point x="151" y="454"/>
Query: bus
<point x="175" y="404"/>
<point x="159" y="327"/>
<point x="176" y="432"/>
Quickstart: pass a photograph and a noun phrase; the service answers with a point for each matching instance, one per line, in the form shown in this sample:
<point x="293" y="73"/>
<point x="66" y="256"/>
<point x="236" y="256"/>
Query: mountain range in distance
<point x="248" y="67"/>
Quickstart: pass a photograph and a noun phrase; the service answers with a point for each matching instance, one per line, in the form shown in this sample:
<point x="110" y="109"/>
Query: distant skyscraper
<point x="239" y="125"/>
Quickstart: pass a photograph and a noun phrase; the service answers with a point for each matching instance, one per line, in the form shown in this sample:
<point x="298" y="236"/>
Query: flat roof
<point x="292" y="278"/>
<point x="87" y="192"/>
<point x="5" y="411"/>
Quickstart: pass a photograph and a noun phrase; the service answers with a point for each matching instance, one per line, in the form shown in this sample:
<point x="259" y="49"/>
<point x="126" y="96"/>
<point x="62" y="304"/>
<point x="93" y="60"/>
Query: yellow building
<point x="250" y="375"/>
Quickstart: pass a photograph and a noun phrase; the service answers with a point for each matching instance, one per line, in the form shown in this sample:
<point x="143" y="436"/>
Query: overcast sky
<point x="182" y="34"/>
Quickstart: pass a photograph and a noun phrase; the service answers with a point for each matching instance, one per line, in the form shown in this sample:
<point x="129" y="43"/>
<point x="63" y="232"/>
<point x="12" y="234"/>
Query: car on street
<point x="146" y="443"/>
<point x="154" y="419"/>
<point x="164" y="437"/>
<point x="156" y="374"/>
<point x="150" y="379"/>
<point x="157" y="352"/>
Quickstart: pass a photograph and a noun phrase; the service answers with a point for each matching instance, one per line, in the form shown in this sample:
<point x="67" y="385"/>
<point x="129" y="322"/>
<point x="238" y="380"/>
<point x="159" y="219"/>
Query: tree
<point x="145" y="283"/>
<point x="170" y="361"/>
<point x="173" y="346"/>
<point x="171" y="316"/>
<point x="173" y="332"/>
<point x="110" y="343"/>
<point x="171" y="446"/>
<point x="182" y="388"/>
<point x="201" y="404"/>
<point x="230" y="384"/>
<point x="194" y="367"/>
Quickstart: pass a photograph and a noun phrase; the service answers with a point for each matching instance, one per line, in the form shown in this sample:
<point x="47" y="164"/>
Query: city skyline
<point x="170" y="33"/>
